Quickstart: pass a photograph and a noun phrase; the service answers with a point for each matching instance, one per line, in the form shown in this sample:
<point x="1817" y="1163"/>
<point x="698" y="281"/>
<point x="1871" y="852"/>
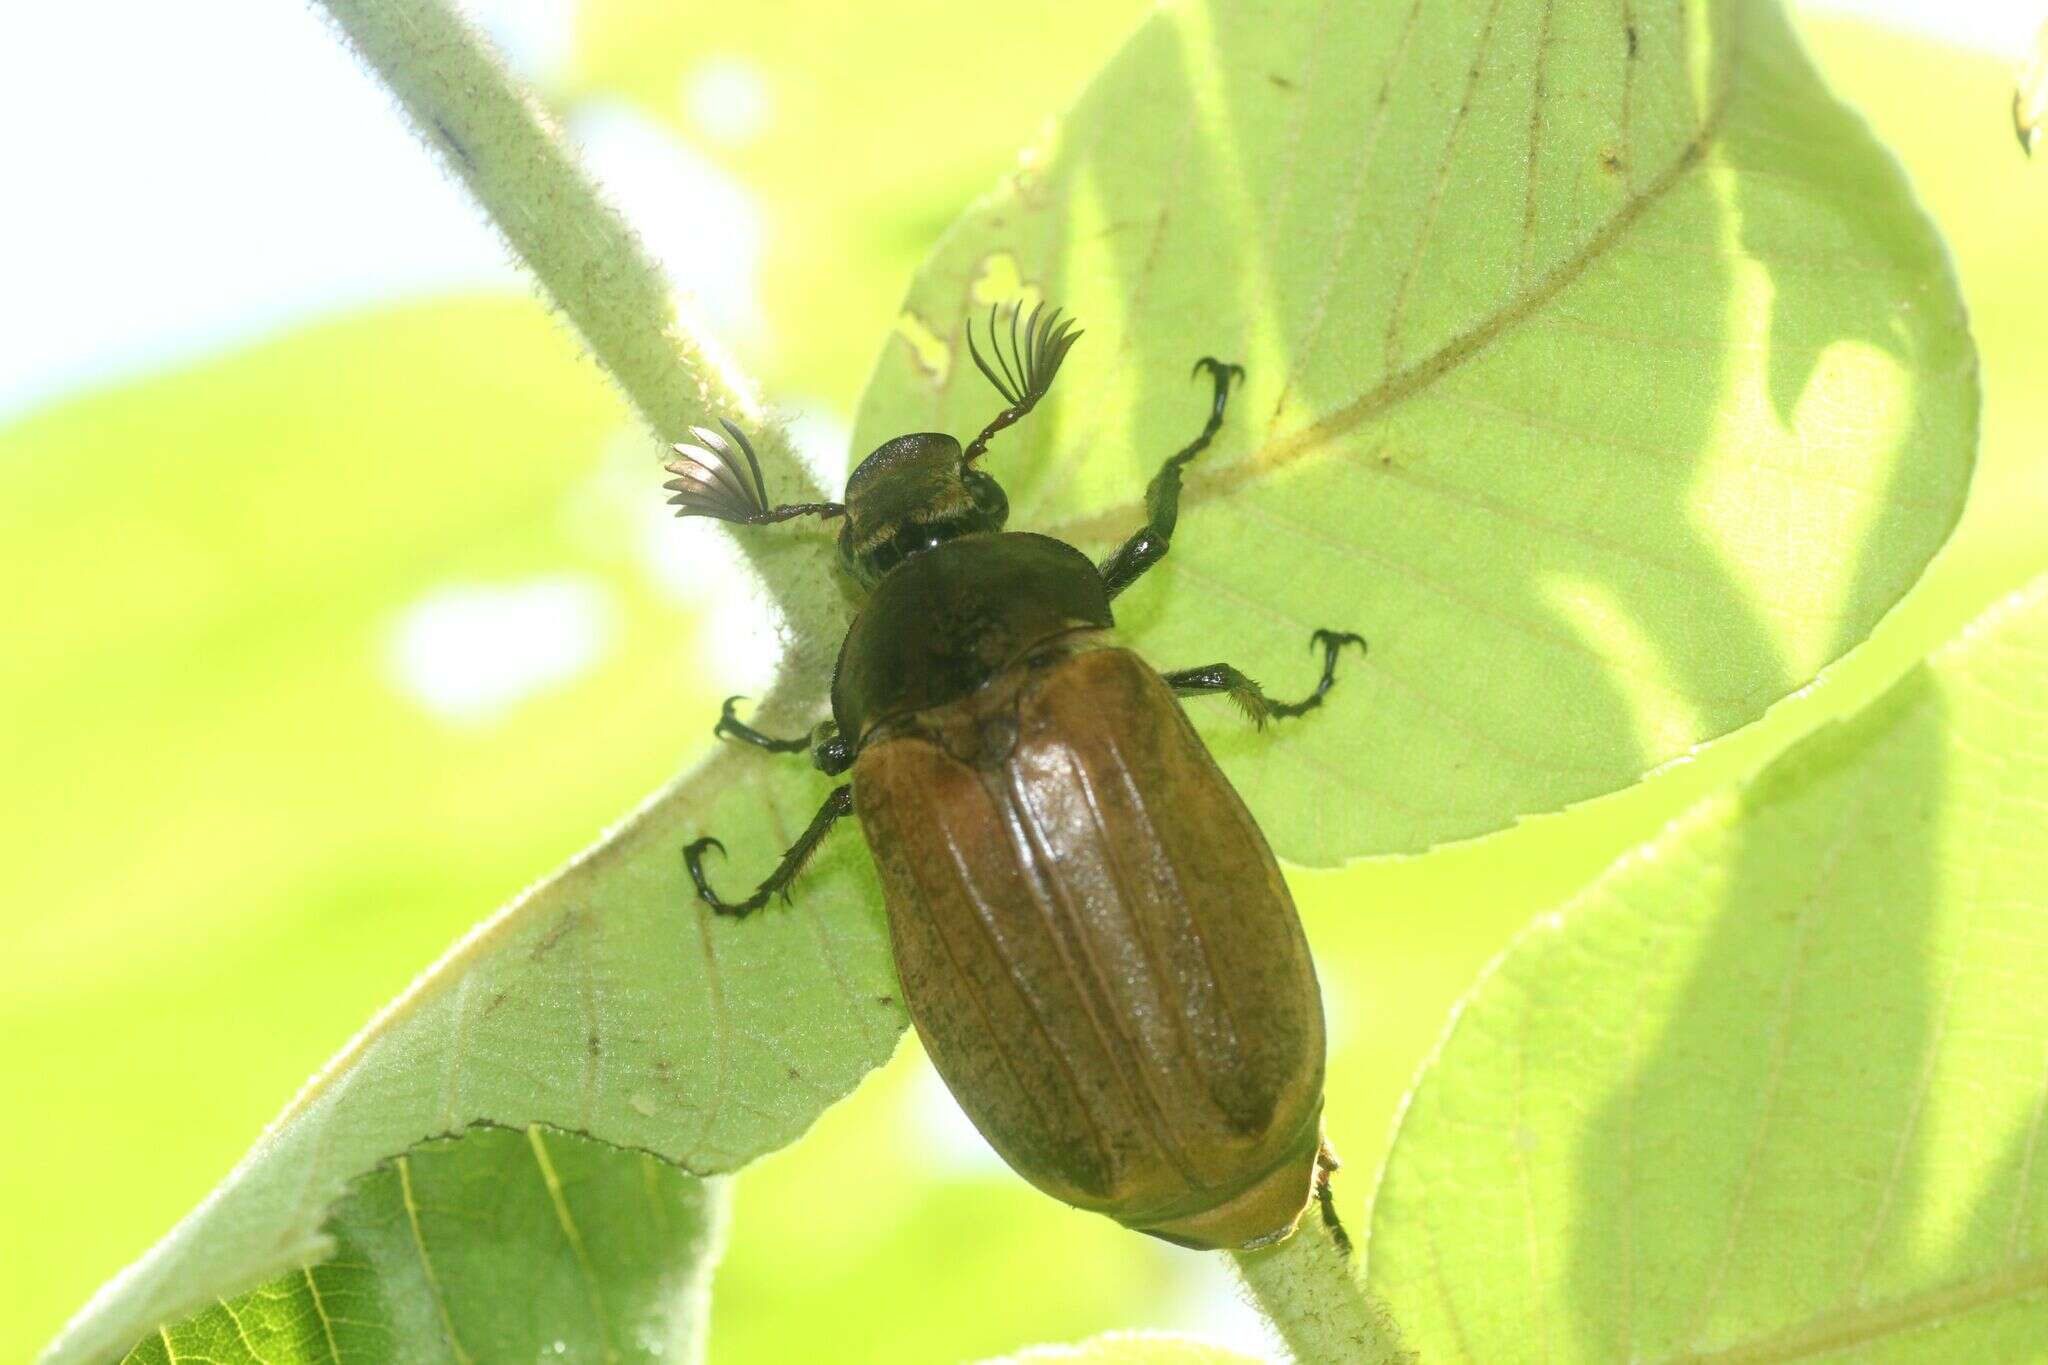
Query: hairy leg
<point x="1213" y="678"/>
<point x="839" y="803"/>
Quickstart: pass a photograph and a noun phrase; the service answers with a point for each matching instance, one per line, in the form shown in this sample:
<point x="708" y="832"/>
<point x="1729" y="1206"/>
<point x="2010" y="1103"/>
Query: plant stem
<point x="1308" y="1290"/>
<point x="498" y="140"/>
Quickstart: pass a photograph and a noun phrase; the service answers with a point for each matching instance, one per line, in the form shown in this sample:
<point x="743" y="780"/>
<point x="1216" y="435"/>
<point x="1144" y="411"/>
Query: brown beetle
<point x="1093" y="938"/>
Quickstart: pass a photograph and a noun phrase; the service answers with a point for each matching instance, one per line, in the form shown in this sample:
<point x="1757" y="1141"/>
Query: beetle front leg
<point x="1195" y="682"/>
<point x="731" y="726"/>
<point x="837" y="804"/>
<point x="1162" y="495"/>
<point x="830" y="754"/>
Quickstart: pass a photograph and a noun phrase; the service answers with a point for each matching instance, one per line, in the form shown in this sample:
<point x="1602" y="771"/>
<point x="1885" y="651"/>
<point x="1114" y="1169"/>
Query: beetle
<point x="1093" y="938"/>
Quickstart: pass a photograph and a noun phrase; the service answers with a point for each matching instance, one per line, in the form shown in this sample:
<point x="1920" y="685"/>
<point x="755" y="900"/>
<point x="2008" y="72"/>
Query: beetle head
<point x="922" y="490"/>
<point x="909" y="495"/>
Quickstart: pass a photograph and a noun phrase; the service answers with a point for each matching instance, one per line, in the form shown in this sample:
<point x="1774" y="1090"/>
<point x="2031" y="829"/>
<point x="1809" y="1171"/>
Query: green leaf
<point x="1602" y="372"/>
<point x="498" y="1245"/>
<point x="604" y="1002"/>
<point x="1772" y="1088"/>
<point x="851" y="215"/>
<point x="1130" y="1348"/>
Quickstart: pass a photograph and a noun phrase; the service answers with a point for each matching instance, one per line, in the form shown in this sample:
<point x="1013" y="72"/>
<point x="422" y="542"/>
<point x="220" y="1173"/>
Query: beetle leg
<point x="830" y="753"/>
<point x="836" y="805"/>
<point x="1193" y="682"/>
<point x="732" y="727"/>
<point x="1326" y="1166"/>
<point x="1162" y="495"/>
<point x="1212" y="678"/>
<point x="1331" y="641"/>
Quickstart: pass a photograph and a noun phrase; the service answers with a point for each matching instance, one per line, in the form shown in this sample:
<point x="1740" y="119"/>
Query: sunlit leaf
<point x="2030" y="95"/>
<point x="605" y="1002"/>
<point x="1602" y="372"/>
<point x="1771" y="1089"/>
<point x="498" y="1245"/>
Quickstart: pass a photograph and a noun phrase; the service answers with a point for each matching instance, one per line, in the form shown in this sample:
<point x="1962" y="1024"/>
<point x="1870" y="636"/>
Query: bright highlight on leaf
<point x="2030" y="95"/>
<point x="1130" y="1348"/>
<point x="1602" y="373"/>
<point x="1772" y="1089"/>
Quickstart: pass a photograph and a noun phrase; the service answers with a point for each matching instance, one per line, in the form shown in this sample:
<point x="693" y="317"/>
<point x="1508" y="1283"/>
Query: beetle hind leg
<point x="839" y="803"/>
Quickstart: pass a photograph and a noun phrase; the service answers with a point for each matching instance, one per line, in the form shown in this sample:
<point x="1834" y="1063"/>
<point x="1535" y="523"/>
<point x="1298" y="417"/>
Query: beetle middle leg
<point x="1162" y="495"/>
<point x="1212" y="678"/>
<point x="837" y="804"/>
<point x="1248" y="696"/>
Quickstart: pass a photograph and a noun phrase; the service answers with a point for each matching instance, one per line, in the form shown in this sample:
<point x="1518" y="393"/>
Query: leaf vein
<point x="1398" y="387"/>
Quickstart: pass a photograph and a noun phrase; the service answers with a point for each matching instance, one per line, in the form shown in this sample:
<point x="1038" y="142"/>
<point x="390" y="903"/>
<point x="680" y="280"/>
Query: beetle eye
<point x="989" y="498"/>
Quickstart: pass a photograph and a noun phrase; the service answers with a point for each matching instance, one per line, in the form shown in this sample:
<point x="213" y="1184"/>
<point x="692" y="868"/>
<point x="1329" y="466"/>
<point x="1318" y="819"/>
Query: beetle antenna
<point x="1035" y="355"/>
<point x="711" y="482"/>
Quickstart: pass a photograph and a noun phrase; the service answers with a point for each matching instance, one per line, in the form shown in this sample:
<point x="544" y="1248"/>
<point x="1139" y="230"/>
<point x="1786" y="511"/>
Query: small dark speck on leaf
<point x="1279" y="80"/>
<point x="1630" y="30"/>
<point x="794" y="1074"/>
<point x="496" y="1001"/>
<point x="595" y="1044"/>
<point x="553" y="936"/>
<point x="885" y="1000"/>
<point x="1610" y="161"/>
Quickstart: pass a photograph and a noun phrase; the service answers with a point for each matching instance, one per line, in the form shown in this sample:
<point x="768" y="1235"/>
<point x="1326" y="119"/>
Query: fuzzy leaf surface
<point x="1772" y="1088"/>
<point x="1601" y="371"/>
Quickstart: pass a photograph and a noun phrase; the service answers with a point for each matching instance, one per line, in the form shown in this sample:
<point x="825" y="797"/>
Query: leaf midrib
<point x="1403" y="384"/>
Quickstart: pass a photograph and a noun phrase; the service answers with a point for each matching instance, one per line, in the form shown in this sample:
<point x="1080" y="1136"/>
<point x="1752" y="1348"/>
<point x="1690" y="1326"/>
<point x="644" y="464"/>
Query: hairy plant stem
<point x="1307" y="1288"/>
<point x="496" y="138"/>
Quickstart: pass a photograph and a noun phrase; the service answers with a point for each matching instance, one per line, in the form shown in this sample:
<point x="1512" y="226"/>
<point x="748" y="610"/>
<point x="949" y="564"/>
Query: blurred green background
<point x="321" y="645"/>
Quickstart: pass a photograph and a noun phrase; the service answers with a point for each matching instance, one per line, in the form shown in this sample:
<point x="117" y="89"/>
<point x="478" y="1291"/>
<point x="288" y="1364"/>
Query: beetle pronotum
<point x="1093" y="937"/>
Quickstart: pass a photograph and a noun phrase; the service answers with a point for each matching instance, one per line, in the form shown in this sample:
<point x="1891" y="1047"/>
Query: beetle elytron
<point x="1093" y="938"/>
